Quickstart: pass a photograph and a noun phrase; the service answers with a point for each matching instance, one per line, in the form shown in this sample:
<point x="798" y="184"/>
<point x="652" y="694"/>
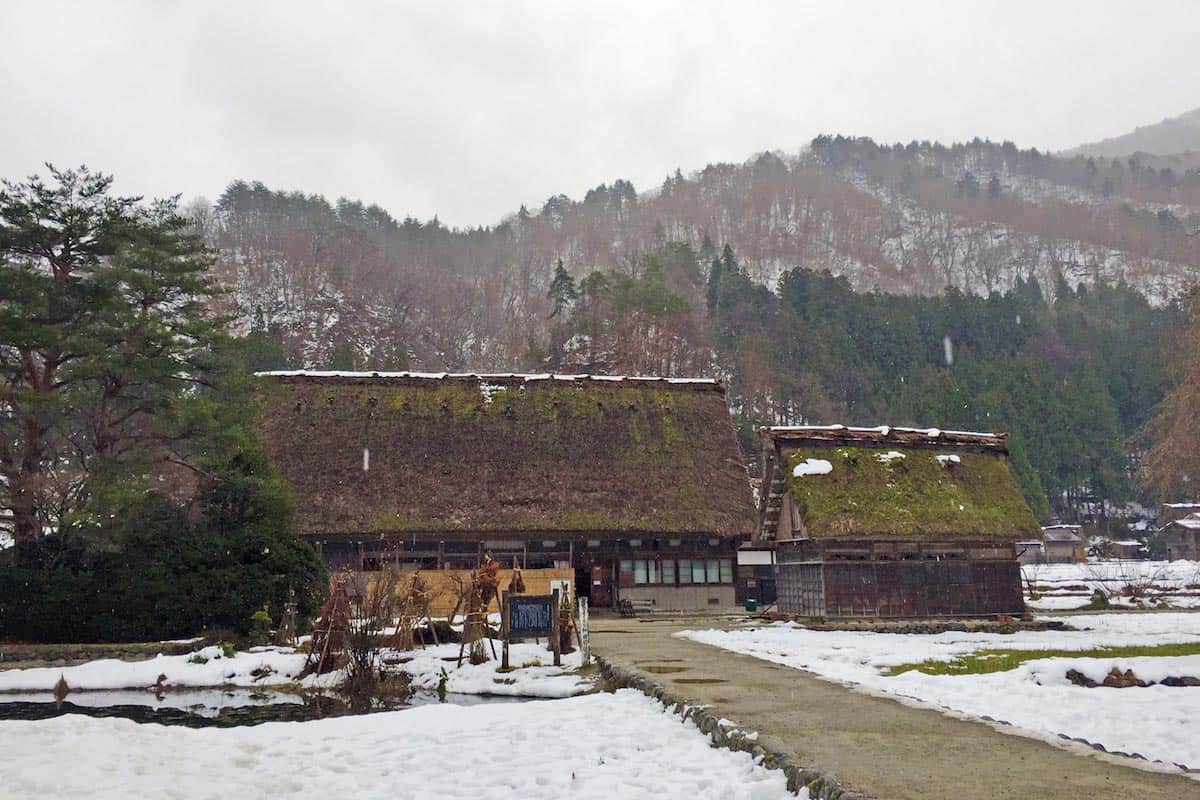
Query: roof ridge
<point x="524" y="377"/>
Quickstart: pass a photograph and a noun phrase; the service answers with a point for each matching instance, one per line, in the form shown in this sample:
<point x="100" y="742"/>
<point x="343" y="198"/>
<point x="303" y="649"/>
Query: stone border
<point x="820" y="787"/>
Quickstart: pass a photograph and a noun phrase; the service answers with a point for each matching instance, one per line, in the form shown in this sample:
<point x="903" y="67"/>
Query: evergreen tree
<point x="562" y="289"/>
<point x="713" y="293"/>
<point x="103" y="324"/>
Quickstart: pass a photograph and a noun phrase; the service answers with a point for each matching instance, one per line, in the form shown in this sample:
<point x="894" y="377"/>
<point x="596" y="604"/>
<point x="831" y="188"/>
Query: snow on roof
<point x="1129" y="543"/>
<point x="480" y="376"/>
<point x="1061" y="526"/>
<point x="1191" y="522"/>
<point x="1181" y="505"/>
<point x="1060" y="534"/>
<point x="812" y="466"/>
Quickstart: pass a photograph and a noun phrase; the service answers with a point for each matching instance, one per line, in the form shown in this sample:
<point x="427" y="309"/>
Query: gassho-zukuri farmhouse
<point x="636" y="489"/>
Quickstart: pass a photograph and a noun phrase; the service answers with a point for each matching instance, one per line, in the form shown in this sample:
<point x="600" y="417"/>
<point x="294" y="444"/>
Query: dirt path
<point x="873" y="745"/>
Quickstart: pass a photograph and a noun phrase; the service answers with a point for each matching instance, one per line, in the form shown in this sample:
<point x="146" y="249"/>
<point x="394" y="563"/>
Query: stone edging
<point x="820" y="787"/>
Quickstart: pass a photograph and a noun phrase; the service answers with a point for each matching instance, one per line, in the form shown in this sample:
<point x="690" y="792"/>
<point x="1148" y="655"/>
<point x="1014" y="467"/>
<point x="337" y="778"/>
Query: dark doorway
<point x="593" y="580"/>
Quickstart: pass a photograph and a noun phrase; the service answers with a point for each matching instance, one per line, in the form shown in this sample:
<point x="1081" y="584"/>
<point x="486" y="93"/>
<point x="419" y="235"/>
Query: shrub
<point x="157" y="571"/>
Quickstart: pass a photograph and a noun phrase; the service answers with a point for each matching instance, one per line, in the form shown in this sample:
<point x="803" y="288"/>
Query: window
<point x="645" y="570"/>
<point x="668" y="572"/>
<point x="726" y="570"/>
<point x="685" y="571"/>
<point x="714" y="572"/>
<point x="698" y="571"/>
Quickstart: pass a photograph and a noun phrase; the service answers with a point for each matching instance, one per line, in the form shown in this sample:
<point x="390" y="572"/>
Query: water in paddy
<point x="214" y="708"/>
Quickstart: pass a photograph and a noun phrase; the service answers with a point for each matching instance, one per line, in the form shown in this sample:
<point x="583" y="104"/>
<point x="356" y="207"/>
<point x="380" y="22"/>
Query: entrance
<point x="594" y="581"/>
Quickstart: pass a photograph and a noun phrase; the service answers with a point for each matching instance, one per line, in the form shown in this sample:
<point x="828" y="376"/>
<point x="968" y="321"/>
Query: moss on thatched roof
<point x="906" y="491"/>
<point x="506" y="453"/>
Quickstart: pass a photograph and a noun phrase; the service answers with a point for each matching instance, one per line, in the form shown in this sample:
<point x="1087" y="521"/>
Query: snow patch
<point x="812" y="466"/>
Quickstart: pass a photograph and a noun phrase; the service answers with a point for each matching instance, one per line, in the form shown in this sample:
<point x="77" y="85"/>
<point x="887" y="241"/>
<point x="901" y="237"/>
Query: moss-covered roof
<point x="906" y="491"/>
<point x="506" y="453"/>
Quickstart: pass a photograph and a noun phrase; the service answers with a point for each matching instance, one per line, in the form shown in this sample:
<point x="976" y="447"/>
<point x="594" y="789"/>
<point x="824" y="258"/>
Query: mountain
<point x="344" y="282"/>
<point x="1174" y="136"/>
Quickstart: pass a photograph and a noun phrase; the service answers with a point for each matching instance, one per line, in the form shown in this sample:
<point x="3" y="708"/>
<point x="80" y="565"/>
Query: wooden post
<point x="582" y="632"/>
<point x="555" y="622"/>
<point x="504" y="631"/>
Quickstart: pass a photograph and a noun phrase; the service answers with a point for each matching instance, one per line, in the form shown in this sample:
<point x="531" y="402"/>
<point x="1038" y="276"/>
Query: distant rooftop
<point x="886" y="435"/>
<point x="1191" y="522"/>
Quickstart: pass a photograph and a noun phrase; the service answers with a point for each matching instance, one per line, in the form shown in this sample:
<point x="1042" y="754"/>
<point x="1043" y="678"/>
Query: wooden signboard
<point x="530" y="615"/>
<point x="526" y="615"/>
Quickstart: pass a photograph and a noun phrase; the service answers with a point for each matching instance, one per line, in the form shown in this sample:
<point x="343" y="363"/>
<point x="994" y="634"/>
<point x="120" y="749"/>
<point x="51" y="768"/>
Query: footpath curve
<point x="872" y="745"/>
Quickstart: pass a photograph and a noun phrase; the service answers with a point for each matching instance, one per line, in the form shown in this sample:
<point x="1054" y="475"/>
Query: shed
<point x="892" y="522"/>
<point x="636" y="484"/>
<point x="1063" y="544"/>
<point x="1182" y="538"/>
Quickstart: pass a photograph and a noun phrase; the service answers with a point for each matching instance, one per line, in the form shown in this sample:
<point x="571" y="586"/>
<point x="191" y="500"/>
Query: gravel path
<point x="870" y="744"/>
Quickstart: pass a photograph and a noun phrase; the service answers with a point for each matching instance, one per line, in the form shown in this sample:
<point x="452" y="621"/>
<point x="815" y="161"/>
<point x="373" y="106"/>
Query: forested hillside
<point x="975" y="285"/>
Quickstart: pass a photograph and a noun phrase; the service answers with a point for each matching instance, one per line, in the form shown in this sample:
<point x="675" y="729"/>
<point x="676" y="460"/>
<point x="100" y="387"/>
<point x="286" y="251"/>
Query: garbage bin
<point x="751" y="605"/>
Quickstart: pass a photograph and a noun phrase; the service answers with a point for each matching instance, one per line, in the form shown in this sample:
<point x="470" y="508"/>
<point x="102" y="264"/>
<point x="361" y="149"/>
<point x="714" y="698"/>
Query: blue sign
<point x="530" y="615"/>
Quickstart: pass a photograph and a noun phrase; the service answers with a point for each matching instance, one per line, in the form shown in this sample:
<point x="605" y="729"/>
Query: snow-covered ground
<point x="1063" y="587"/>
<point x="1158" y="722"/>
<point x="601" y="746"/>
<point x="205" y="668"/>
<point x="533" y="676"/>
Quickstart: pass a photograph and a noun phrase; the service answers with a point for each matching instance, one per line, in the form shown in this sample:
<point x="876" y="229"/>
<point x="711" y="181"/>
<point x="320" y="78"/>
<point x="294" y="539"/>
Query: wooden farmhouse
<point x="892" y="522"/>
<point x="635" y="485"/>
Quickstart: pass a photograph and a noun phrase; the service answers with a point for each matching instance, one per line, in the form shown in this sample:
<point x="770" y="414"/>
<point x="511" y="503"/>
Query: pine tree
<point x="562" y="289"/>
<point x="103" y="325"/>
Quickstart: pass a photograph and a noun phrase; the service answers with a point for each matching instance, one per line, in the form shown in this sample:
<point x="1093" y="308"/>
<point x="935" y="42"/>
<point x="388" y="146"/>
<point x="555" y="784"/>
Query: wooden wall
<point x="443" y="587"/>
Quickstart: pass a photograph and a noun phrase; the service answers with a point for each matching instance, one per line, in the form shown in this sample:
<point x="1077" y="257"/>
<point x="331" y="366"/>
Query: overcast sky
<point x="468" y="110"/>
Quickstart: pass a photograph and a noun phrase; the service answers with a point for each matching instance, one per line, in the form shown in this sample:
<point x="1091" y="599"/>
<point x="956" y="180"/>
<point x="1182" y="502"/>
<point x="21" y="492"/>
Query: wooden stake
<point x="504" y="631"/>
<point x="555" y="622"/>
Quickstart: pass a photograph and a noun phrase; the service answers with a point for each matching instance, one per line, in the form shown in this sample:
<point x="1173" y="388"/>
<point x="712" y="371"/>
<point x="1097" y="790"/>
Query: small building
<point x="1125" y="549"/>
<point x="1063" y="544"/>
<point x="892" y="522"/>
<point x="636" y="485"/>
<point x="1181" y="537"/>
<point x="1169" y="512"/>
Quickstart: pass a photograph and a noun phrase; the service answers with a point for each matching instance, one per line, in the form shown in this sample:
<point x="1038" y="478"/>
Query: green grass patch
<point x="982" y="662"/>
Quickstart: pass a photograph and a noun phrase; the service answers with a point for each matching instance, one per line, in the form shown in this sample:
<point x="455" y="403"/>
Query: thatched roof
<point x="516" y="453"/>
<point x="894" y="482"/>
